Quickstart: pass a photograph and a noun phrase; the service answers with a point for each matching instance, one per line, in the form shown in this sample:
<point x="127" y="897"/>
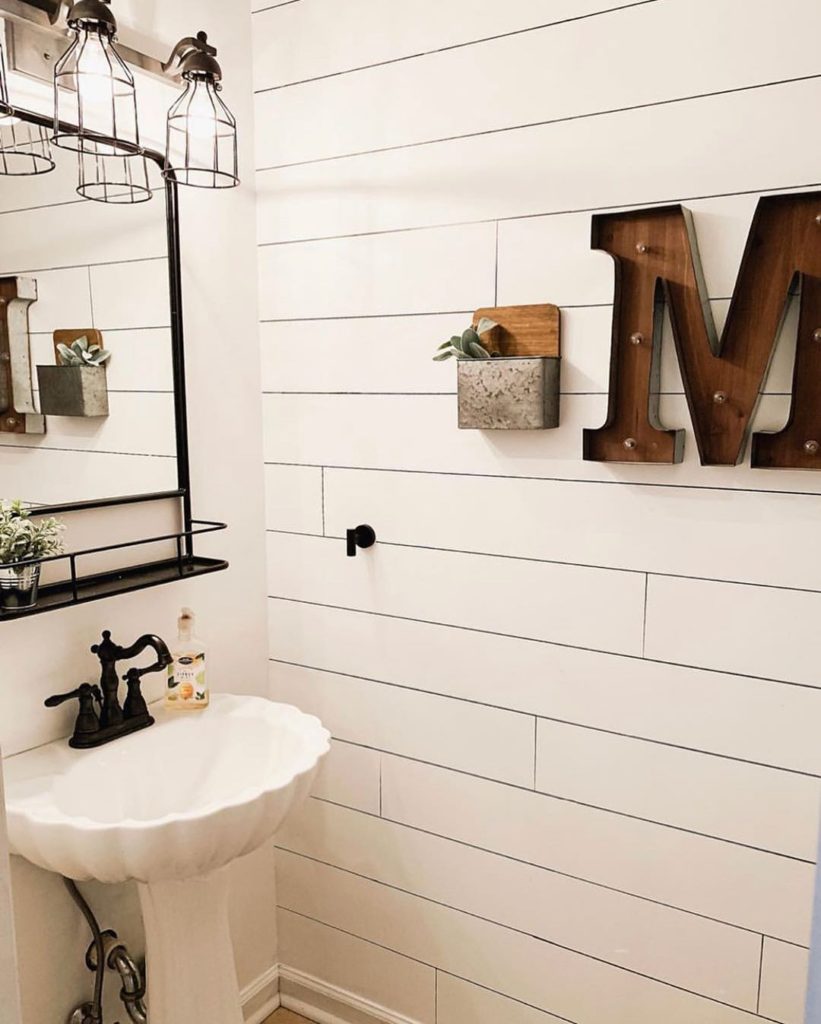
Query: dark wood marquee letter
<point x="657" y="262"/>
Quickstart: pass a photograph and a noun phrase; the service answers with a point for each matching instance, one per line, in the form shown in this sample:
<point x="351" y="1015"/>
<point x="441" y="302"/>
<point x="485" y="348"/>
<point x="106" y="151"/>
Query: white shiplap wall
<point x="575" y="706"/>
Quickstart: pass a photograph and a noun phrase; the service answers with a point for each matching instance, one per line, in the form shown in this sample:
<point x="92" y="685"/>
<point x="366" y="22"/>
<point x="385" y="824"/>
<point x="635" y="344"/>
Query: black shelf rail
<point x="79" y="589"/>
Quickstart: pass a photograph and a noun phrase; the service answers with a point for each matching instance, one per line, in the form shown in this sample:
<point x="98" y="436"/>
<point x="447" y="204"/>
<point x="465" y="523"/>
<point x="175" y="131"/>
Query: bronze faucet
<point x="113" y="721"/>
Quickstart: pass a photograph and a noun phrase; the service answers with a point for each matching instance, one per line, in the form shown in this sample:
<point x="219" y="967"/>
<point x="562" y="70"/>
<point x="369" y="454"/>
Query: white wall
<point x="576" y="706"/>
<point x="49" y="654"/>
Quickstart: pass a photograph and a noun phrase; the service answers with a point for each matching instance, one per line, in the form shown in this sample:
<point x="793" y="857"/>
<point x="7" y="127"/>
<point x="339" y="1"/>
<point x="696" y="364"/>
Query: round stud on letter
<point x="818" y="218"/>
<point x="720" y="397"/>
<point x="636" y="339"/>
<point x="816" y="334"/>
<point x="630" y="443"/>
<point x="811" y="447"/>
<point x="642" y="247"/>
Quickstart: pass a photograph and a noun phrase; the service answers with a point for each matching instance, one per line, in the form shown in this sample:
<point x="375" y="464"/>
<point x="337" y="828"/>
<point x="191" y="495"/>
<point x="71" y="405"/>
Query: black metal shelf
<point x="78" y="589"/>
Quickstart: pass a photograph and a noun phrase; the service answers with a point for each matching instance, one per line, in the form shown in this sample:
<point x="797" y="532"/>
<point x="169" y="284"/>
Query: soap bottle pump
<point x="187" y="687"/>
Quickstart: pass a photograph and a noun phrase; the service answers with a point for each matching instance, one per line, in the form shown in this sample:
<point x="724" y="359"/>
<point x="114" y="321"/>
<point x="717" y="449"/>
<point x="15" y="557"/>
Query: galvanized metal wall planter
<point x="518" y="389"/>
<point x="508" y="393"/>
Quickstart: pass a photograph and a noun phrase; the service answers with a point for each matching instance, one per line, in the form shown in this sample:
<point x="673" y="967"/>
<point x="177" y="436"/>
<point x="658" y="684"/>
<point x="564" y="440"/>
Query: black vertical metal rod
<point x="178" y="353"/>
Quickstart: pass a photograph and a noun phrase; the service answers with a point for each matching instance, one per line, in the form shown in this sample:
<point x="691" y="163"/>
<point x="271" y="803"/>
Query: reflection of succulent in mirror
<point x="81" y="353"/>
<point x="23" y="540"/>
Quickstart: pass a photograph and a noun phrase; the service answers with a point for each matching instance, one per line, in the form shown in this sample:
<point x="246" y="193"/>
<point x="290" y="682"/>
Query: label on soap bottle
<point x="186" y="680"/>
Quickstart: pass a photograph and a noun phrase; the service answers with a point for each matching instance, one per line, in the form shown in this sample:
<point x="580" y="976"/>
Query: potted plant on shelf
<point x="77" y="385"/>
<point x="498" y="391"/>
<point x="24" y="540"/>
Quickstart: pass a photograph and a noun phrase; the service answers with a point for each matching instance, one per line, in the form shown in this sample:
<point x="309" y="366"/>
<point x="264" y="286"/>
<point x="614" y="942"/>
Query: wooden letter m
<point x="656" y="259"/>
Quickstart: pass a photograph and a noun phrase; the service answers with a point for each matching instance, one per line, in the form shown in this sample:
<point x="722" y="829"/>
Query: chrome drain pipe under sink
<point x="106" y="952"/>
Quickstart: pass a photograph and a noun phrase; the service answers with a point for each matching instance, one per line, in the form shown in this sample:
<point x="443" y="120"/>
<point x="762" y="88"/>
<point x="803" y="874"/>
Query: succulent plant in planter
<point x="501" y="392"/>
<point x="78" y="385"/>
<point x="468" y="345"/>
<point x="23" y="540"/>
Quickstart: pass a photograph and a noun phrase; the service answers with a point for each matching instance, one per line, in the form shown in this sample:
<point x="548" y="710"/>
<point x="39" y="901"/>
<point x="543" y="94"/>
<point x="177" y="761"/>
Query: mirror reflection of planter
<point x="78" y="384"/>
<point x="508" y="393"/>
<point x="73" y="390"/>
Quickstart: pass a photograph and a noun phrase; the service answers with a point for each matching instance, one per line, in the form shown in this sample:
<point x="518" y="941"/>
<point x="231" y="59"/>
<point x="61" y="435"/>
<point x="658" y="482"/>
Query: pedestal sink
<point x="170" y="807"/>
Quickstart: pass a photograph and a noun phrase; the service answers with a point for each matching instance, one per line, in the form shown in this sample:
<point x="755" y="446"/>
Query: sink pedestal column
<point x="192" y="978"/>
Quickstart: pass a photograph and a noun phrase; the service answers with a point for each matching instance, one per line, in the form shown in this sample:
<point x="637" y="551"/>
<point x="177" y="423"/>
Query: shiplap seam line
<point x="545" y="479"/>
<point x="322" y="471"/>
<point x="509" y="928"/>
<point x="91" y="266"/>
<point x="273" y="7"/>
<point x="413" y="959"/>
<point x="42" y="206"/>
<point x="496" y="266"/>
<point x="85" y="451"/>
<point x="453" y="394"/>
<point x="545" y="867"/>
<point x="539" y="640"/>
<point x="644" y="615"/>
<point x="406" y="313"/>
<point x="581" y="803"/>
<point x="566" y="119"/>
<point x="445" y="49"/>
<point x="760" y="976"/>
<point x="90" y="295"/>
<point x="556" y="561"/>
<point x="539" y="215"/>
<point x="549" y="718"/>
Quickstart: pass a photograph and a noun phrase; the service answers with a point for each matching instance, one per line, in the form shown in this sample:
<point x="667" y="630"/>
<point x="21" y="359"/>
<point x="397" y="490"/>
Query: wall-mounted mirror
<point x="98" y="270"/>
<point x="104" y="448"/>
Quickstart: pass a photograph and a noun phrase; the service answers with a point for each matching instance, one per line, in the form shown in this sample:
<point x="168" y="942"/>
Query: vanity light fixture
<point x="24" y="147"/>
<point x="201" y="136"/>
<point x="113" y="178"/>
<point x="94" y="90"/>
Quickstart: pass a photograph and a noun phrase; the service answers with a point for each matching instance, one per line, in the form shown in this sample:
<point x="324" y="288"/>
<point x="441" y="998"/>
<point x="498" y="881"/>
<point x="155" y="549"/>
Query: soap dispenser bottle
<point x="187" y="687"/>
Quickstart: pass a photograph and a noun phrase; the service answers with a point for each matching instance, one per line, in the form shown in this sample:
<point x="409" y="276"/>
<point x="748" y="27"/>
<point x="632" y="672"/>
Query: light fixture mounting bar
<point x="37" y="33"/>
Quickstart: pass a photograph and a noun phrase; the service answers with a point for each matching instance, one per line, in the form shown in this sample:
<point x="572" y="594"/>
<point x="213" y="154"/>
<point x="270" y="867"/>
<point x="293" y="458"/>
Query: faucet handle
<point x="84" y="690"/>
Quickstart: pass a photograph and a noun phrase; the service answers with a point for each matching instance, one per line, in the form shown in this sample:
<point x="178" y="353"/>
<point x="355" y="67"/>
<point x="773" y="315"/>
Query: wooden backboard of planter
<point x="656" y="258"/>
<point x="524" y="330"/>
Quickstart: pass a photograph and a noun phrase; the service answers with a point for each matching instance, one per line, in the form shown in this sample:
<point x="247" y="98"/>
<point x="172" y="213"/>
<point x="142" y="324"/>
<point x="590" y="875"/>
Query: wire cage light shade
<point x="113" y="178"/>
<point x="201" y="140"/>
<point x="94" y="91"/>
<point x="24" y="147"/>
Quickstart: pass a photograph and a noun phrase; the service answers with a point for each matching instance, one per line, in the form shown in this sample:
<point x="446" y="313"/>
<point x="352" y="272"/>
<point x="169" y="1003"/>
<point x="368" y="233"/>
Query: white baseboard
<point x="312" y="998"/>
<point x="329" y="1004"/>
<point x="261" y="997"/>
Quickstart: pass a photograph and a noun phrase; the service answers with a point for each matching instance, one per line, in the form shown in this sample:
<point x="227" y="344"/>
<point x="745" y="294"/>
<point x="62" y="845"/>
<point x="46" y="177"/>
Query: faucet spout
<point x="159" y="647"/>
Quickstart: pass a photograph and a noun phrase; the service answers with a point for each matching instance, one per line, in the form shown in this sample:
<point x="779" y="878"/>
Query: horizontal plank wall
<point x="575" y="774"/>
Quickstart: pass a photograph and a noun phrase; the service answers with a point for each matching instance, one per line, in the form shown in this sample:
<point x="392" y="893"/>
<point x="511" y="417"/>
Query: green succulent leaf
<point x="485" y="325"/>
<point x="479" y="351"/>
<point x="443" y="355"/>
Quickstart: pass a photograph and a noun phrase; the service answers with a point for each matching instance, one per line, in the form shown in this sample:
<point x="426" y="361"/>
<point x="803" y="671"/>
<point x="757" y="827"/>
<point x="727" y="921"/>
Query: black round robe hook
<point x="363" y="536"/>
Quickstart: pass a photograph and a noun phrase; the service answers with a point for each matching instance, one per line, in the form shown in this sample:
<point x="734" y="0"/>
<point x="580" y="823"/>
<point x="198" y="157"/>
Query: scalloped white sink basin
<point x="170" y="807"/>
